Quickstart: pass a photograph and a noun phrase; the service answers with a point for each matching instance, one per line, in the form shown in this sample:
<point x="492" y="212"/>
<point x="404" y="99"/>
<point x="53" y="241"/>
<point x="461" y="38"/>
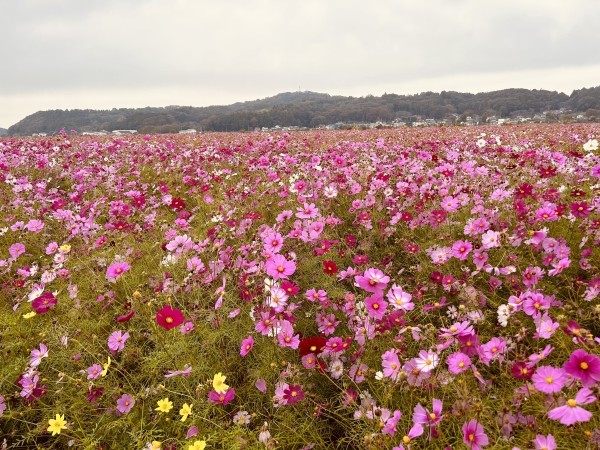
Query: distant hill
<point x="3" y="131"/>
<point x="310" y="109"/>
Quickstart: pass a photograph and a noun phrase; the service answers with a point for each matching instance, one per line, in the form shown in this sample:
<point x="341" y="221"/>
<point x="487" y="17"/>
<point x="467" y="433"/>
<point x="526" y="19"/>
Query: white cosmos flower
<point x="591" y="145"/>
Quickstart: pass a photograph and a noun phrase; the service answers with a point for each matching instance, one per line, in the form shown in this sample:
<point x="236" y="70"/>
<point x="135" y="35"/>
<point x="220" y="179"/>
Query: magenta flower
<point x="474" y="435"/>
<point x="278" y="267"/>
<point x="584" y="366"/>
<point x="293" y="394"/>
<point x="246" y="346"/>
<point x="571" y="412"/>
<point x="376" y="306"/>
<point x="116" y="341"/>
<point x="221" y="399"/>
<point x="169" y="318"/>
<point x="125" y="403"/>
<point x="44" y="302"/>
<point x="115" y="270"/>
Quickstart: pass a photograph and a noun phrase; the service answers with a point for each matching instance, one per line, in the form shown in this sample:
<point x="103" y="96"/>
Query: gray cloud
<point x="218" y="52"/>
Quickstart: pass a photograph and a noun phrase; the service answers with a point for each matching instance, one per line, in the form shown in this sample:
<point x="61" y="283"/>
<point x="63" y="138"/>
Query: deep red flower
<point x="126" y="317"/>
<point x="312" y="344"/>
<point x="44" y="302"/>
<point x="177" y="203"/>
<point x="168" y="317"/>
<point x="330" y="268"/>
<point x="94" y="394"/>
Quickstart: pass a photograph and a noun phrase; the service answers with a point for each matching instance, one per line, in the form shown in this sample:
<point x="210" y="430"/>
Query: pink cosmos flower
<point x="391" y="364"/>
<point x="185" y="372"/>
<point x="490" y="239"/>
<point x="571" y="412"/>
<point x="115" y="270"/>
<point x="391" y="423"/>
<point x="544" y="326"/>
<point x="16" y="250"/>
<point x="286" y="335"/>
<point x="584" y="366"/>
<point x="38" y="355"/>
<point x="492" y="350"/>
<point x="427" y="361"/>
<point x="400" y="299"/>
<point x="116" y="341"/>
<point x="376" y="306"/>
<point x="273" y="242"/>
<point x="542" y="442"/>
<point x="373" y="280"/>
<point x="278" y="267"/>
<point x="186" y="328"/>
<point x="125" y="403"/>
<point x="461" y="249"/>
<point x="94" y="371"/>
<point x="458" y="362"/>
<point x="549" y="379"/>
<point x="474" y="435"/>
<point x="246" y="346"/>
<point x="431" y="418"/>
<point x="307" y="211"/>
<point x="35" y="225"/>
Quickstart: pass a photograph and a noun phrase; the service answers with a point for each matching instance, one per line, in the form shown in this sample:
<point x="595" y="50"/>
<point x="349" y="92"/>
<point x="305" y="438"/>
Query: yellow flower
<point x="155" y="445"/>
<point x="65" y="248"/>
<point x="185" y="411"/>
<point x="219" y="383"/>
<point x="198" y="445"/>
<point x="29" y="315"/>
<point x="106" y="366"/>
<point x="58" y="424"/>
<point x="164" y="405"/>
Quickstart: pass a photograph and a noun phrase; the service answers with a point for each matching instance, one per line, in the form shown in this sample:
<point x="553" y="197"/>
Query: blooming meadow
<point x="395" y="289"/>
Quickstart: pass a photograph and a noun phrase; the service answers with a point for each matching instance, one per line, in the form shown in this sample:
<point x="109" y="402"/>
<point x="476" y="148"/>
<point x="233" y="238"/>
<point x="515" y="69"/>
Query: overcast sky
<point x="99" y="54"/>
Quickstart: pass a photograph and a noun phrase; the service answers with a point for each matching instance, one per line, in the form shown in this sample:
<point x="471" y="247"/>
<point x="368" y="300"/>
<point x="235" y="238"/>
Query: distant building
<point x="188" y="131"/>
<point x="120" y="132"/>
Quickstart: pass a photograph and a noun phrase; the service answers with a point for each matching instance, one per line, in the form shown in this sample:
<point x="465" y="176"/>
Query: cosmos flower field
<point x="386" y="289"/>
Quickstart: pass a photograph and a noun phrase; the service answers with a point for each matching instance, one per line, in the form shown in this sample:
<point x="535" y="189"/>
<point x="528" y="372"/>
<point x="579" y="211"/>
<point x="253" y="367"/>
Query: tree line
<point x="311" y="109"/>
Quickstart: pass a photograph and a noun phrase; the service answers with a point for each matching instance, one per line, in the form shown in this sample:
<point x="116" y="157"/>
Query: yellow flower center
<point x="169" y="320"/>
<point x="549" y="380"/>
<point x="584" y="365"/>
<point x="572" y="403"/>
